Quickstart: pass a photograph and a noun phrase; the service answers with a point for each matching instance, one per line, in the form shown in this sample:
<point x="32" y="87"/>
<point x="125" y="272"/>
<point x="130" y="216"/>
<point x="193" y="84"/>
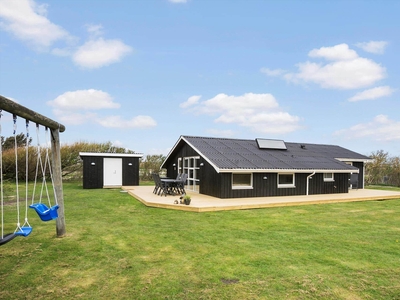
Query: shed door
<point x="112" y="171"/>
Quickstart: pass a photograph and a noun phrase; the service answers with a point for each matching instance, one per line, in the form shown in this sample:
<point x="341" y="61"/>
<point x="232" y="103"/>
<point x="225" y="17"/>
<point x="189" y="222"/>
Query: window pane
<point x="285" y="178"/>
<point x="241" y="180"/>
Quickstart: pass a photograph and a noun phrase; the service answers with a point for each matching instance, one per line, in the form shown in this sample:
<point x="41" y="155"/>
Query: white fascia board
<point x="171" y="151"/>
<point x="110" y="154"/>
<point x="286" y="171"/>
<point x="354" y="159"/>
<point x="203" y="156"/>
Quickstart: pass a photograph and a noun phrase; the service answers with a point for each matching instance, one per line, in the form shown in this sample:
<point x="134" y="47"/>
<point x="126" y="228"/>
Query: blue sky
<point x="142" y="73"/>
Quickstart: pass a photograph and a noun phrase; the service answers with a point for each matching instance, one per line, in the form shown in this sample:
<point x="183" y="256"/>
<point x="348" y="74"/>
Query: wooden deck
<point x="203" y="203"/>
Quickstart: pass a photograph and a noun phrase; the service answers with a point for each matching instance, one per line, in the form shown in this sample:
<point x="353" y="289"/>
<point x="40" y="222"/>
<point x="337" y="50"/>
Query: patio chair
<point x="181" y="184"/>
<point x="156" y="185"/>
<point x="162" y="188"/>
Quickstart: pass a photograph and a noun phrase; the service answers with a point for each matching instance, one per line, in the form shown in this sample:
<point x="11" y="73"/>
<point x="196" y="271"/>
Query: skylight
<point x="271" y="144"/>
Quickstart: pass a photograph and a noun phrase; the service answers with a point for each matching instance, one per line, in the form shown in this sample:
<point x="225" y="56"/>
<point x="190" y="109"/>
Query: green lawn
<point x="116" y="248"/>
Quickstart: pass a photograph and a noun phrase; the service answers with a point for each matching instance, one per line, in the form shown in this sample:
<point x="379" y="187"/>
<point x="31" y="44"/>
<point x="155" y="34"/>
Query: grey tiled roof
<point x="245" y="154"/>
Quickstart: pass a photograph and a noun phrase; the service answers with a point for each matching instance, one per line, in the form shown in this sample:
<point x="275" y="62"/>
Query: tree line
<point x="384" y="169"/>
<point x="71" y="163"/>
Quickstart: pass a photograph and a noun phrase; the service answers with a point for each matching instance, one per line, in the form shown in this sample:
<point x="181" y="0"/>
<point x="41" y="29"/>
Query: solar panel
<point x="271" y="144"/>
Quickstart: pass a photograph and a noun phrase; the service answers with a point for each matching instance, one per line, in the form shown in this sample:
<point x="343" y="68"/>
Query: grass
<point x="116" y="248"/>
<point x="383" y="187"/>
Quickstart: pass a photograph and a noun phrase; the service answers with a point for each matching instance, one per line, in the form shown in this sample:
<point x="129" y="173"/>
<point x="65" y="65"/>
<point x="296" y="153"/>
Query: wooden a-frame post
<point x="55" y="128"/>
<point x="57" y="181"/>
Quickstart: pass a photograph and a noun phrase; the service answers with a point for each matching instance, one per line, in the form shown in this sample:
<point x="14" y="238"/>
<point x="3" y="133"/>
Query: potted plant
<point x="186" y="199"/>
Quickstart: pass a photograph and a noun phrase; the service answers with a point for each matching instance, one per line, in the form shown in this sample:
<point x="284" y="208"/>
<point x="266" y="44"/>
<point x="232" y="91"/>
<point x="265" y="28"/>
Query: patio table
<point x="170" y="184"/>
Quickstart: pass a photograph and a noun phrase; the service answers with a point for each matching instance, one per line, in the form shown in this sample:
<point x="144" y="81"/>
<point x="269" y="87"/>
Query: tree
<point x="394" y="171"/>
<point x="376" y="169"/>
<point x="9" y="143"/>
<point x="151" y="164"/>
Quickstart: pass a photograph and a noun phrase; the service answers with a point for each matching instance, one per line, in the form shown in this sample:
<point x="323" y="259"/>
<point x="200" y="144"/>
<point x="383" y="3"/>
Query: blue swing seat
<point x="24" y="231"/>
<point x="45" y="213"/>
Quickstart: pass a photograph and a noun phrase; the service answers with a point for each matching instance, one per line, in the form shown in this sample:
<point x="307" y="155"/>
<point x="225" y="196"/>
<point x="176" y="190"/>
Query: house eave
<point x="364" y="160"/>
<point x="287" y="171"/>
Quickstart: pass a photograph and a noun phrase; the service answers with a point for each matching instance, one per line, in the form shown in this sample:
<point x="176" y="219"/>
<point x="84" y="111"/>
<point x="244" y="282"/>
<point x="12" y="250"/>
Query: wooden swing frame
<point x="55" y="129"/>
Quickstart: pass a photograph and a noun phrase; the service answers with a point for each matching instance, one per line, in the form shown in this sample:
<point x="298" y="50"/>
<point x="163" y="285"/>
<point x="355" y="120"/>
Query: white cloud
<point x="376" y="47"/>
<point x="27" y="21"/>
<point x="136" y="122"/>
<point x="336" y="53"/>
<point x="374" y="93"/>
<point x="73" y="118"/>
<point x="77" y="108"/>
<point x="178" y="1"/>
<point x="381" y="128"/>
<point x="259" y="112"/>
<point x="100" y="52"/>
<point x="84" y="100"/>
<point x="190" y="102"/>
<point x="344" y="69"/>
<point x="94" y="30"/>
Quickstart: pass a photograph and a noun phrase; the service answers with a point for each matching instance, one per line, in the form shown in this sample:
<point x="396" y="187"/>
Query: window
<point x="285" y="180"/>
<point x="328" y="177"/>
<point x="242" y="181"/>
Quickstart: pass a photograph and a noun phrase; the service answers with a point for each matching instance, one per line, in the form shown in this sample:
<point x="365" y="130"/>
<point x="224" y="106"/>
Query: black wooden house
<point x="108" y="170"/>
<point x="238" y="168"/>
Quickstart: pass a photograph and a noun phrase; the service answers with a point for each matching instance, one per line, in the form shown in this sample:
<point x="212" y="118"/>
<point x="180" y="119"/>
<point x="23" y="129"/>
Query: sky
<point x="142" y="73"/>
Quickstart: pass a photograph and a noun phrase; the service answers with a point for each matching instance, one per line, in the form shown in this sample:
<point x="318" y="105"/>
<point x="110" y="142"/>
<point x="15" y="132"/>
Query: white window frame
<point x="242" y="187"/>
<point x="329" y="179"/>
<point x="287" y="185"/>
<point x="190" y="163"/>
<point x="180" y="167"/>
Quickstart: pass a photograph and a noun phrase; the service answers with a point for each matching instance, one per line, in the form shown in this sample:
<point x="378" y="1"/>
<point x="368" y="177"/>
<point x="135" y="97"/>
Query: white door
<point x="112" y="171"/>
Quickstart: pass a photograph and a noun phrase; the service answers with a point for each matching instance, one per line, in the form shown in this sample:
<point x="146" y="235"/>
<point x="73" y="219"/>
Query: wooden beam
<point x="57" y="181"/>
<point x="21" y="111"/>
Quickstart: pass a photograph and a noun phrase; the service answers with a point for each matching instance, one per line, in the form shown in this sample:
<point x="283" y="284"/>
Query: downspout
<point x="308" y="181"/>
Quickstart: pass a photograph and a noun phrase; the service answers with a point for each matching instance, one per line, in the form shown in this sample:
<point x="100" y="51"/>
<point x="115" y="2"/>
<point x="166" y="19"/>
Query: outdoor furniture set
<point x="169" y="186"/>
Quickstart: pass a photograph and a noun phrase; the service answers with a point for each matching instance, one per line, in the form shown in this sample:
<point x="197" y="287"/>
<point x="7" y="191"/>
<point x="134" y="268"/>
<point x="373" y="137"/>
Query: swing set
<point x="46" y="168"/>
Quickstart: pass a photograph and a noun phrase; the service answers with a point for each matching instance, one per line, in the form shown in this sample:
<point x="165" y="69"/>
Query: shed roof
<point x="235" y="155"/>
<point x="116" y="155"/>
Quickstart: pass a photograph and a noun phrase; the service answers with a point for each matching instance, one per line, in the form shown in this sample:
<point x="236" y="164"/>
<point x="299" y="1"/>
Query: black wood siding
<point x="93" y="174"/>
<point x="184" y="151"/>
<point x="220" y="184"/>
<point x="130" y="171"/>
<point x="319" y="186"/>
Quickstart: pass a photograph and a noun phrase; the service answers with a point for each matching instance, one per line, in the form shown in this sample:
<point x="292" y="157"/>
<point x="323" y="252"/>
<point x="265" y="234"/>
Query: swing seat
<point x="6" y="238"/>
<point x="24" y="231"/>
<point x="45" y="213"/>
